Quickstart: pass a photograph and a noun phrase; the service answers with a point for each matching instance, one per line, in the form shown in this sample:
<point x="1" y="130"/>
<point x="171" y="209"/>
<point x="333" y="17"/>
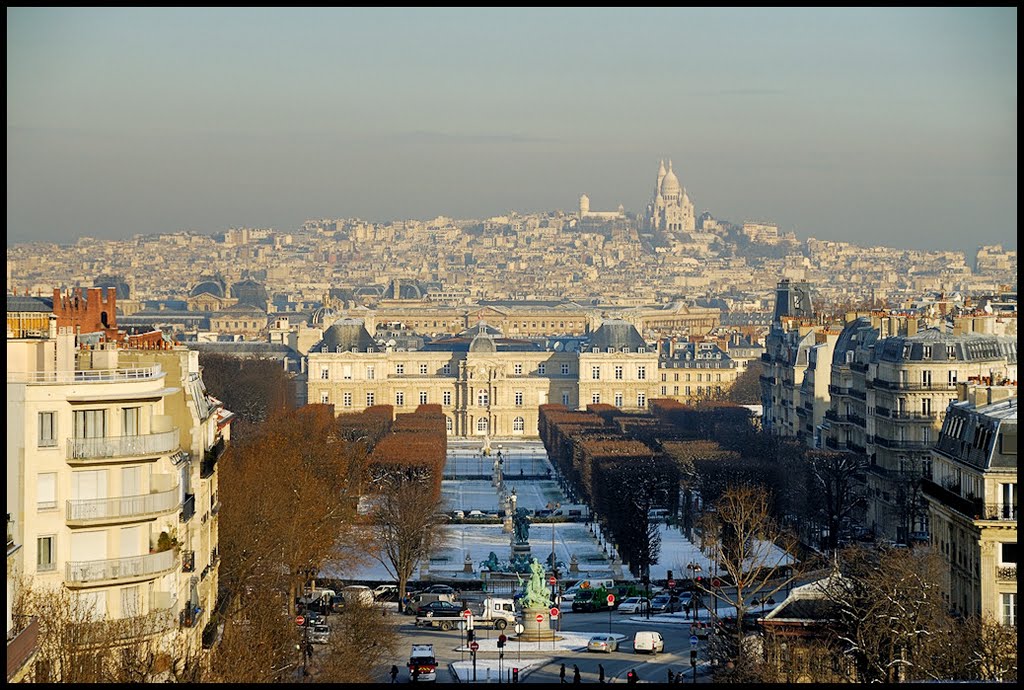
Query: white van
<point x="649" y="641"/>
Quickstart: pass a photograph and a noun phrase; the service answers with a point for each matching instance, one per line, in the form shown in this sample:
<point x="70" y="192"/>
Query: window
<point x="47" y="429"/>
<point x="664" y="376"/>
<point x="370" y="373"/>
<point x="448" y="425"/>
<point x="641" y="373"/>
<point x="423" y="370"/>
<point x="565" y="369"/>
<point x="595" y="398"/>
<point x="325" y="373"/>
<point x="46" y="491"/>
<point x="481" y="425"/>
<point x="1009" y="606"/>
<point x="423" y="397"/>
<point x="641" y="400"/>
<point x="664" y="390"/>
<point x="446" y="369"/>
<point x="346" y="399"/>
<point x="641" y="350"/>
<point x="618" y="399"/>
<point x="130" y="602"/>
<point x="951" y="377"/>
<point x="565" y="399"/>
<point x="325" y="398"/>
<point x="517" y="369"/>
<point x="926" y="407"/>
<point x="541" y="368"/>
<point x="519" y="398"/>
<point x="595" y="373"/>
<point x="482" y="399"/>
<point x="675" y="390"/>
<point x="518" y="424"/>
<point x="926" y="378"/>
<point x="400" y="398"/>
<point x="90" y="423"/>
<point x="46" y="553"/>
<point x="130" y="421"/>
<point x="400" y="369"/>
<point x="1008" y="553"/>
<point x="618" y="372"/>
<point x="446" y="398"/>
<point x="346" y="372"/>
<point x="370" y="399"/>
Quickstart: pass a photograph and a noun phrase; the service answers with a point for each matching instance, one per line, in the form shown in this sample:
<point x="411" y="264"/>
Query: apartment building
<point x="111" y="478"/>
<point x="972" y="500"/>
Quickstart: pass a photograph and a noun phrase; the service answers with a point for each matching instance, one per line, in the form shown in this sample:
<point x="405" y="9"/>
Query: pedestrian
<point x="576" y="674"/>
<point x="561" y="674"/>
<point x="631" y="677"/>
<point x="671" y="677"/>
<point x="414" y="673"/>
<point x="600" y="673"/>
<point x="394" y="673"/>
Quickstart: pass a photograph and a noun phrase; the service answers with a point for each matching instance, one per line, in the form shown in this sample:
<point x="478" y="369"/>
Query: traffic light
<point x="669" y="576"/>
<point x="515" y="675"/>
<point x="693" y="657"/>
<point x="501" y="640"/>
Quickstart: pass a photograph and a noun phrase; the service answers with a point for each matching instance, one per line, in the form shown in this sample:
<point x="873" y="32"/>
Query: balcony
<point x="122" y="508"/>
<point x="188" y="561"/>
<point x="901" y="444"/>
<point x="130" y="568"/>
<point x="860" y="395"/>
<point x="838" y="390"/>
<point x="1008" y="572"/>
<point x="108" y="447"/>
<point x="210" y="457"/>
<point x="908" y="386"/>
<point x="87" y="376"/>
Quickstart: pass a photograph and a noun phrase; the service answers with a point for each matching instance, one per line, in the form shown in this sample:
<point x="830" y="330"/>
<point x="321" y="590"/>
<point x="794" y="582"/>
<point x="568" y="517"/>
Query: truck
<point x="489" y="613"/>
<point x="422" y="663"/>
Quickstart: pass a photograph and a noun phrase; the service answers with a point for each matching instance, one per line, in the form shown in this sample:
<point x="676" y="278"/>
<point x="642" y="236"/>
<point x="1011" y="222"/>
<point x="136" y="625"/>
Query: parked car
<point x="438" y="607"/>
<point x="385" y="593"/>
<point x="320" y="634"/>
<point x="648" y="641"/>
<point x="440" y="589"/>
<point x="475" y="514"/>
<point x="458" y="514"/>
<point x="635" y="605"/>
<point x="603" y="642"/>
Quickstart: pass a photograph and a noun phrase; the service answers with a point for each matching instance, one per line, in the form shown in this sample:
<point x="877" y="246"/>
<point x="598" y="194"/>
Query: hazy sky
<point x="871" y="125"/>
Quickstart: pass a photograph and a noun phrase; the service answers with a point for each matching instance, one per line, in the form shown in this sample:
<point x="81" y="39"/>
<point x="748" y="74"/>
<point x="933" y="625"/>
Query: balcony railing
<point x="908" y="386"/>
<point x="87" y="375"/>
<point x="121" y="568"/>
<point x="1008" y="572"/>
<point x="860" y="395"/>
<point x="123" y="507"/>
<point x="999" y="511"/>
<point x="902" y="444"/>
<point x="838" y="390"/>
<point x="122" y="446"/>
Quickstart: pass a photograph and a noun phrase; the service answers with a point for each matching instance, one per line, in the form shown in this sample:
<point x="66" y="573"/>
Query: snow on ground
<point x="584" y="540"/>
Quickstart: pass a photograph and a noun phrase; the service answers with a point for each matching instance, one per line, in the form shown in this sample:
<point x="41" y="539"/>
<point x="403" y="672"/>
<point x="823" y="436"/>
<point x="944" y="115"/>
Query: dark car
<point x="439" y="608"/>
<point x="667" y="603"/>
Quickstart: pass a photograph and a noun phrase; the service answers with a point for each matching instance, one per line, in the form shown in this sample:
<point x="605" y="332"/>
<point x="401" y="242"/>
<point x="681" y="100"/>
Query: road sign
<point x="540" y="617"/>
<point x="554" y="612"/>
<point x="716" y="582"/>
<point x="552" y="580"/>
<point x="474" y="646"/>
<point x="671" y="584"/>
<point x="519" y="628"/>
<point x="467" y="614"/>
<point x="693" y="640"/>
<point x="611" y="598"/>
<point x="299" y="620"/>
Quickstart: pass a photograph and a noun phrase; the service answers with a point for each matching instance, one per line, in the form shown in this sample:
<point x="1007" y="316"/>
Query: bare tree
<point x="892" y="619"/>
<point x="837" y="478"/>
<point x="362" y="640"/>
<point x="755" y="556"/>
<point x="406" y="524"/>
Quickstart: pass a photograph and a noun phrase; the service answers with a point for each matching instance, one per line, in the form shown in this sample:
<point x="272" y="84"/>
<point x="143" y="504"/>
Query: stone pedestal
<point x="521" y="550"/>
<point x="534" y="630"/>
<point x="506" y="524"/>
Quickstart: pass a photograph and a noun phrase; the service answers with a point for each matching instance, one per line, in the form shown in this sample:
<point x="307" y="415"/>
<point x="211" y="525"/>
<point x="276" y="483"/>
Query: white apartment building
<point x="111" y="480"/>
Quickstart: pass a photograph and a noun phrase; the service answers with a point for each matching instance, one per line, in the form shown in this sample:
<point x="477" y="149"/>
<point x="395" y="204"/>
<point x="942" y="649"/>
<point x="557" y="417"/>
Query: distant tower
<point x="584" y="205"/>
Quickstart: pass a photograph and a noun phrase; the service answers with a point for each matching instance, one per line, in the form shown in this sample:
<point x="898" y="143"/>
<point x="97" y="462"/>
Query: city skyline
<point x="892" y="127"/>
